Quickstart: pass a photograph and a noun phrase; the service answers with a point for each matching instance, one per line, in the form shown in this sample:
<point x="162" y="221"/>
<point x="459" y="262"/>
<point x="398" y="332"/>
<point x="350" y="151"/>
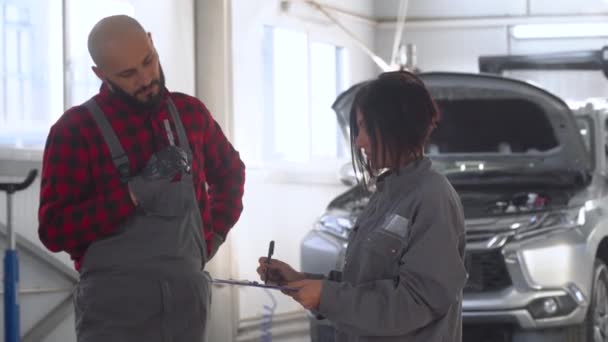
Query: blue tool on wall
<point x="11" y="263"/>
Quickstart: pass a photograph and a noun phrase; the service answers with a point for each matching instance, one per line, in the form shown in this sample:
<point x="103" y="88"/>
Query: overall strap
<point x="119" y="157"/>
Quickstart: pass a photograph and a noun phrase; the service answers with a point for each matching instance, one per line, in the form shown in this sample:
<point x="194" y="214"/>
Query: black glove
<point x="153" y="188"/>
<point x="167" y="163"/>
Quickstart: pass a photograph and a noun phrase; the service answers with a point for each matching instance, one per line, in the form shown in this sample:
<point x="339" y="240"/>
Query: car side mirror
<point x="347" y="175"/>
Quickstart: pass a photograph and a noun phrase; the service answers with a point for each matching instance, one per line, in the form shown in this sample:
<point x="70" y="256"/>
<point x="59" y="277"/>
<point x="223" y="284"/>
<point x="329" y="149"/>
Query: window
<point x="45" y="66"/>
<point x="302" y="78"/>
<point x="33" y="90"/>
<point x="31" y="75"/>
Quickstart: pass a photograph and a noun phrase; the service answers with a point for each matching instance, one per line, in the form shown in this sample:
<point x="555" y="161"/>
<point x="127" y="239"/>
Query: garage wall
<point x="386" y="9"/>
<point x="481" y="8"/>
<point x="452" y="35"/>
<point x="281" y="201"/>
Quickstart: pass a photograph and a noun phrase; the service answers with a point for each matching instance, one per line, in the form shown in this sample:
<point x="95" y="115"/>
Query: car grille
<point x="487" y="271"/>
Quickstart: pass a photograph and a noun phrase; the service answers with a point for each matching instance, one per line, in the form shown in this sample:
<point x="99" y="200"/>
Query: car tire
<point x="595" y="326"/>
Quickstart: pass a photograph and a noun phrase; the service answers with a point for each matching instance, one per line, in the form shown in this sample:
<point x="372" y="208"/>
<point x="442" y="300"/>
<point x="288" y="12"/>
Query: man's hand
<point x="279" y="272"/>
<point x="308" y="294"/>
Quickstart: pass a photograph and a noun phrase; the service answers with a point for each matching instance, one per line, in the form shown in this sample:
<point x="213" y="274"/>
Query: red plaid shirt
<point x="82" y="198"/>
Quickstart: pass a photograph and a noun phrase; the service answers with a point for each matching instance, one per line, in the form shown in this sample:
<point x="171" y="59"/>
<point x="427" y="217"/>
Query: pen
<point x="270" y="252"/>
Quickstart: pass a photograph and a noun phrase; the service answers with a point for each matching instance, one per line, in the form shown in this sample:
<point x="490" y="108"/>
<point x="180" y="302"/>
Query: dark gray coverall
<point x="404" y="268"/>
<point x="147" y="283"/>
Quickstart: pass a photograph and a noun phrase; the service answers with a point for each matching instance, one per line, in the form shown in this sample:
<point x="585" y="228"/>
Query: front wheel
<point x="595" y="326"/>
<point x="596" y="323"/>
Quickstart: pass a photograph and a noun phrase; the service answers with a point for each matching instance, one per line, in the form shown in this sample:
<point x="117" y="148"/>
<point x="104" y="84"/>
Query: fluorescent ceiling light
<point x="570" y="30"/>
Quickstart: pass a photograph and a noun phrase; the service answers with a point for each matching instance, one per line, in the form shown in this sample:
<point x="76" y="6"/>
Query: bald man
<point x="140" y="186"/>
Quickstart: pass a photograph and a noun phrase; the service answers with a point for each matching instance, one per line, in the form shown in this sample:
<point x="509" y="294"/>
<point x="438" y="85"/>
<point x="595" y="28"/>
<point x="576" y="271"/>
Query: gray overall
<point x="146" y="283"/>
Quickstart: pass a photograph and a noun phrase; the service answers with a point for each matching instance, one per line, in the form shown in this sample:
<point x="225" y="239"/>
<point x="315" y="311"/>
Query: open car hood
<point x="569" y="152"/>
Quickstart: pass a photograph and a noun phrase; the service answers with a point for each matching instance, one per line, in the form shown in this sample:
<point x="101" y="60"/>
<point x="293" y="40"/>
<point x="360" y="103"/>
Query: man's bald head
<point x="126" y="60"/>
<point x="112" y="33"/>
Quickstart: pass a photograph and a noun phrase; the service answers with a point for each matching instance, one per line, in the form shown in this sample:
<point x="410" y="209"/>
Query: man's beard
<point x="151" y="102"/>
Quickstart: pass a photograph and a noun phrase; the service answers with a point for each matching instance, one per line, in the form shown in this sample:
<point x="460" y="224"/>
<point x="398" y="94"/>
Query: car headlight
<point x="338" y="226"/>
<point x="547" y="221"/>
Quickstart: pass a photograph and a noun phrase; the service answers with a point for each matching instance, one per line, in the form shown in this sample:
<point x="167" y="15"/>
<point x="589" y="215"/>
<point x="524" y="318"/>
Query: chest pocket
<point x="385" y="245"/>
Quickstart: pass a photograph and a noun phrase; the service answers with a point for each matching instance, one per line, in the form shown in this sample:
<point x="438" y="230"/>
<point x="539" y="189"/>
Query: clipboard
<point x="253" y="284"/>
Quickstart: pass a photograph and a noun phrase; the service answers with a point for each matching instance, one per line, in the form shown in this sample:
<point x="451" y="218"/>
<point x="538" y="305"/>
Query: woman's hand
<point x="308" y="294"/>
<point x="279" y="272"/>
